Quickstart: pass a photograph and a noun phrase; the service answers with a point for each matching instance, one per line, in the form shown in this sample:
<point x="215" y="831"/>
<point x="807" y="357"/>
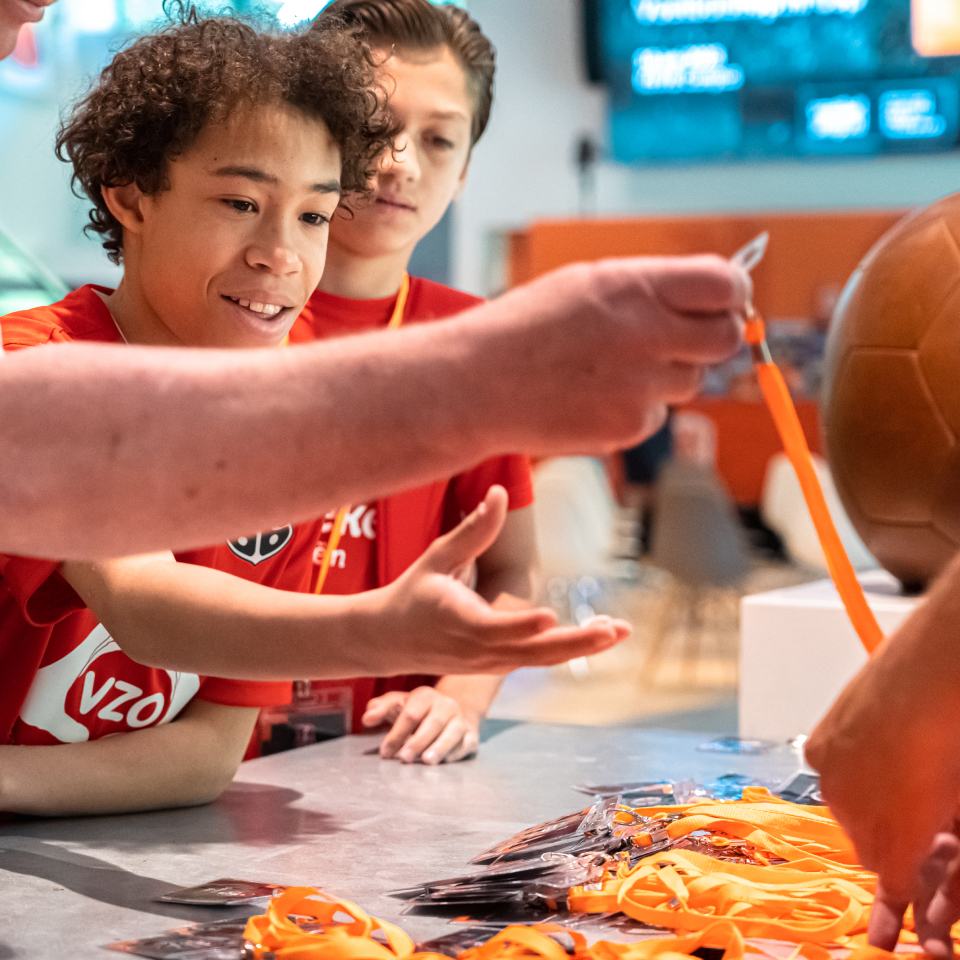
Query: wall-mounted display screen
<point x="692" y="79"/>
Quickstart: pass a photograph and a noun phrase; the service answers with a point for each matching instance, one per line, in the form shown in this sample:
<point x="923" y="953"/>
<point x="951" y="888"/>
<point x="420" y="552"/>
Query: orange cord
<point x="784" y="413"/>
<point x="336" y="531"/>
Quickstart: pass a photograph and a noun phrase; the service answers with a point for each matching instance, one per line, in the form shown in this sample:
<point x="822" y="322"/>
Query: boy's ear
<point x="125" y="203"/>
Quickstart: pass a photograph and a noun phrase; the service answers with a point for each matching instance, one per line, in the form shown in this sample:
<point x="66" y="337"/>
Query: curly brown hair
<point x="421" y="25"/>
<point x="157" y="95"/>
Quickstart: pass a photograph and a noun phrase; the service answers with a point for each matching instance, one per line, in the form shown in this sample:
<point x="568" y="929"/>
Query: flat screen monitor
<point x="724" y="79"/>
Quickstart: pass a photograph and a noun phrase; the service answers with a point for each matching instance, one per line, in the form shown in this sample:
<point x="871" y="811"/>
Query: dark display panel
<point x="694" y="79"/>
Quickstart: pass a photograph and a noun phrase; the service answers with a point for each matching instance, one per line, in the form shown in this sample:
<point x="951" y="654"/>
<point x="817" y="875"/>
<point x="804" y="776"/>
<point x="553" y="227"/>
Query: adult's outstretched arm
<point x="888" y="753"/>
<point x="107" y="450"/>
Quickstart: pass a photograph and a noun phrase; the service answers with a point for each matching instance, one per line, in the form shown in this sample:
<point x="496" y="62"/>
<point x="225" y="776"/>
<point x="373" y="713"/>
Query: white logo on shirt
<point x="103" y="697"/>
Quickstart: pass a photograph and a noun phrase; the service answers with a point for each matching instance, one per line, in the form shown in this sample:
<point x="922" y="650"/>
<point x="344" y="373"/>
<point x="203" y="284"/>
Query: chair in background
<point x="695" y="438"/>
<point x="699" y="541"/>
<point x="575" y="514"/>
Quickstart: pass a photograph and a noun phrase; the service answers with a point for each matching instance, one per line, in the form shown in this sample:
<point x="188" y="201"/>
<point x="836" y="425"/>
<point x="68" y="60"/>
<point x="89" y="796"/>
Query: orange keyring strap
<point x="784" y="413"/>
<point x="818" y="895"/>
<point x="336" y="531"/>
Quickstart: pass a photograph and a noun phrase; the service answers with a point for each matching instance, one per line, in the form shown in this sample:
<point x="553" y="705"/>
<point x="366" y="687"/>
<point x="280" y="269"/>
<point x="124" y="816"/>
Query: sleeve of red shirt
<point x="296" y="577"/>
<point x="513" y="473"/>
<point x="43" y="596"/>
<point x="245" y="693"/>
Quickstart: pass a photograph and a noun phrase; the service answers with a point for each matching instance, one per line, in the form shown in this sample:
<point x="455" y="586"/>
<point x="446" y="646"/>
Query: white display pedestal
<point x="798" y="650"/>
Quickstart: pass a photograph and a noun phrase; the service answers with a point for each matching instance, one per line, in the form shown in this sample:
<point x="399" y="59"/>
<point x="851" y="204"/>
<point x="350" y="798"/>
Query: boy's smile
<point x="228" y="255"/>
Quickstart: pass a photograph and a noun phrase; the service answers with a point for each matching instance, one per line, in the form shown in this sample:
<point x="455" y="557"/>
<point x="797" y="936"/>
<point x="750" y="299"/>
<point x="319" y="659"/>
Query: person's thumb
<point x="702" y="284"/>
<point x="472" y="537"/>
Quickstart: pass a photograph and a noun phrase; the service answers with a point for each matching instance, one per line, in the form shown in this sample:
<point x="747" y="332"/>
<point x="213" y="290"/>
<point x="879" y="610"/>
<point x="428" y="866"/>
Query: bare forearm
<point x="921" y="657"/>
<point x="519" y="582"/>
<point x="122" y="450"/>
<point x="174" y="765"/>
<point x="117" y="450"/>
<point x="506" y="576"/>
<point x="474" y="692"/>
<point x="185" y="617"/>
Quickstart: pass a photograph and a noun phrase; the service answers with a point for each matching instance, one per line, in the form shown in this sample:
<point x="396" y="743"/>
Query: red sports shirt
<point x="380" y="539"/>
<point x="63" y="678"/>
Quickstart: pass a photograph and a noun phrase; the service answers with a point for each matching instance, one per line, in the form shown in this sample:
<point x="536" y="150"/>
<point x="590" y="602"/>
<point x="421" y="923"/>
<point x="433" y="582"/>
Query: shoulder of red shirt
<point x="80" y="315"/>
<point x="436" y="301"/>
<point x="326" y="315"/>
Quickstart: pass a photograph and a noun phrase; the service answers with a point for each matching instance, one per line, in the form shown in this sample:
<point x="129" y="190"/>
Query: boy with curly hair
<point x="438" y="67"/>
<point x="214" y="156"/>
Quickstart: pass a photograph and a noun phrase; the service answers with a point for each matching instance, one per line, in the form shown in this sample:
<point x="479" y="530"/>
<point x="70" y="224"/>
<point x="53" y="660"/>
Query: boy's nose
<point x="274" y="258"/>
<point x="400" y="160"/>
<point x="272" y="247"/>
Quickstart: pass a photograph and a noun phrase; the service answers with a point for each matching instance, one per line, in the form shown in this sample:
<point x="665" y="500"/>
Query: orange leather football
<point x="891" y="405"/>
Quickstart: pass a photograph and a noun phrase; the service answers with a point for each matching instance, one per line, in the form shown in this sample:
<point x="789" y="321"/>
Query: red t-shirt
<point x="63" y="678"/>
<point x="379" y="540"/>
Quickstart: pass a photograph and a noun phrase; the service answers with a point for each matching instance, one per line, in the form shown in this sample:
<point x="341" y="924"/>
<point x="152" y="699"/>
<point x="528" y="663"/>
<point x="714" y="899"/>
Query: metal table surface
<point x="332" y="815"/>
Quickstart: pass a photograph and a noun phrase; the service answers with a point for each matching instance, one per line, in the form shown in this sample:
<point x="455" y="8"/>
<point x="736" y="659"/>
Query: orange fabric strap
<point x="784" y="413"/>
<point x="306" y="924"/>
<point x="336" y="531"/>
<point x="804" y="886"/>
<point x="338" y="930"/>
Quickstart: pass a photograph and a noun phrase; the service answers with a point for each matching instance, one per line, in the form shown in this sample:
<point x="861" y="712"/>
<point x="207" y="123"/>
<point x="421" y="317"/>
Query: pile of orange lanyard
<point x="794" y="877"/>
<point x="774" y="870"/>
<point x="306" y="924"/>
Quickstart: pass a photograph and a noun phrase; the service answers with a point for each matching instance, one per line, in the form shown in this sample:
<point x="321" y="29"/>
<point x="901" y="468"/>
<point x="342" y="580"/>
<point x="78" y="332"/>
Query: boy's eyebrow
<point x="449" y="115"/>
<point x="261" y="176"/>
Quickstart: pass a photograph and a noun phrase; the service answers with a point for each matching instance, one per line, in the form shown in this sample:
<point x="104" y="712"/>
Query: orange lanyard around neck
<point x="336" y="531"/>
<point x="777" y="397"/>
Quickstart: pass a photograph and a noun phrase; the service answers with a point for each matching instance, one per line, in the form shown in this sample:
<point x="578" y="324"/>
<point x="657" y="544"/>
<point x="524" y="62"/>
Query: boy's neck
<point x="363" y="278"/>
<point x="134" y="319"/>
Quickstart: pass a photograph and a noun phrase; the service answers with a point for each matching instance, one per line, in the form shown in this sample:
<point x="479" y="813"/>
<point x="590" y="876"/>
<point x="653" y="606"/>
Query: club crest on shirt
<point x="261" y="546"/>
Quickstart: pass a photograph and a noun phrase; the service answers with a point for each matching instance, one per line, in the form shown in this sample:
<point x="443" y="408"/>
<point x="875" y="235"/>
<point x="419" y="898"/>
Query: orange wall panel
<point x="809" y="254"/>
<point x="747" y="439"/>
<point x="808" y="251"/>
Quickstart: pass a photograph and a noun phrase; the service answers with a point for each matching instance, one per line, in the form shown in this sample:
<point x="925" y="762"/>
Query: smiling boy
<point x="214" y="156"/>
<point x="438" y="68"/>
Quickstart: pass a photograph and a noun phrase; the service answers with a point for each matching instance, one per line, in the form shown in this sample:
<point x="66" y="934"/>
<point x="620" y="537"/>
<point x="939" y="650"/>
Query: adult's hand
<point x="888" y="753"/>
<point x="162" y="439"/>
<point x="588" y="356"/>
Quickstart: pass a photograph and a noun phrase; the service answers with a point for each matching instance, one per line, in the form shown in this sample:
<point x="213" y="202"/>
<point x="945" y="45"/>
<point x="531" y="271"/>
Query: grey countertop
<point x="333" y="815"/>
